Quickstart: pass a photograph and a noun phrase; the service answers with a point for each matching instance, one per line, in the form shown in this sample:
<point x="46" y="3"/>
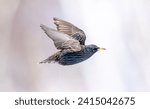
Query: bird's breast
<point x="70" y="58"/>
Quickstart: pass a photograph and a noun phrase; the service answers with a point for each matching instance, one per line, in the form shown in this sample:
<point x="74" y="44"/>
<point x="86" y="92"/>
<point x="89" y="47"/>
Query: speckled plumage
<point x="70" y="40"/>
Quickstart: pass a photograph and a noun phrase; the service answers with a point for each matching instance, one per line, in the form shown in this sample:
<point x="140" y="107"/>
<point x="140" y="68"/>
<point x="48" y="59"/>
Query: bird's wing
<point x="70" y="29"/>
<point x="61" y="40"/>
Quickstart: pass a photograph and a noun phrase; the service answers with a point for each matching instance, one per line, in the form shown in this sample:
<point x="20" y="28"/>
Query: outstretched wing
<point x="61" y="40"/>
<point x="70" y="29"/>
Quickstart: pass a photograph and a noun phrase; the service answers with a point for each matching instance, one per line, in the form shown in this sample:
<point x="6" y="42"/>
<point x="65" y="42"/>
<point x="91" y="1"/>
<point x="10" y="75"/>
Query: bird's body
<point x="70" y="58"/>
<point x="67" y="57"/>
<point x="70" y="40"/>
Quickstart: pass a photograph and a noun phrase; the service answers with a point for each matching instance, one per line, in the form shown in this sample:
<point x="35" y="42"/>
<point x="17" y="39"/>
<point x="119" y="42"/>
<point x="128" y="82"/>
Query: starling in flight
<point x="70" y="41"/>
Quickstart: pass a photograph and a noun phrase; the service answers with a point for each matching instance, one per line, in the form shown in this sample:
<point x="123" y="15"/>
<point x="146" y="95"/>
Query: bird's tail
<point x="46" y="61"/>
<point x="53" y="58"/>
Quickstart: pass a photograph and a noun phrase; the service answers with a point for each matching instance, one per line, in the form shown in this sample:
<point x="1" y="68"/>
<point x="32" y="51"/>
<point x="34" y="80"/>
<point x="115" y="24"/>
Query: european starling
<point x="70" y="41"/>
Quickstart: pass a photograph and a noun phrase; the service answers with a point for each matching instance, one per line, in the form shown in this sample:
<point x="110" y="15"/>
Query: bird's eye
<point x="95" y="49"/>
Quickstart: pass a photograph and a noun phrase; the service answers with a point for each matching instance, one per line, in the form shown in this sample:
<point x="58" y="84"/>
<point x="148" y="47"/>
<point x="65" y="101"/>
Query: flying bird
<point x="70" y="41"/>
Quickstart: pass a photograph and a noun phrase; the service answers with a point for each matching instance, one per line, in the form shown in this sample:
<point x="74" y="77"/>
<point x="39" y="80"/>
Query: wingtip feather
<point x="44" y="27"/>
<point x="54" y="18"/>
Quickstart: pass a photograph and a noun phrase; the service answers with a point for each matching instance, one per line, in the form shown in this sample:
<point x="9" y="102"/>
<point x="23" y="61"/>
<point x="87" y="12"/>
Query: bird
<point x="70" y="42"/>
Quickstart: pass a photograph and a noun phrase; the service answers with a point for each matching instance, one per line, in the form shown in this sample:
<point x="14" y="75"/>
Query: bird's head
<point x="94" y="48"/>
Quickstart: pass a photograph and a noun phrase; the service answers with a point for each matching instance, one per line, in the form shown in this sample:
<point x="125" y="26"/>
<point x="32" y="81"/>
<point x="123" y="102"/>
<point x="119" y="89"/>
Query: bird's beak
<point x="102" y="49"/>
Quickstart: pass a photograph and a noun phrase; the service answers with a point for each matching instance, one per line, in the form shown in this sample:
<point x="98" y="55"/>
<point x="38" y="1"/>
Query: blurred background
<point x="121" y="26"/>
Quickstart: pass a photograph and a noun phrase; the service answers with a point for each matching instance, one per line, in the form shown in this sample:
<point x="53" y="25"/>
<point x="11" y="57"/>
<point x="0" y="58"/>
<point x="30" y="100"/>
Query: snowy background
<point x="121" y="26"/>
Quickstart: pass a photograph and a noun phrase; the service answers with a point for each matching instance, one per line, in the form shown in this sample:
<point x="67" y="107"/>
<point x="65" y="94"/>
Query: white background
<point x="121" y="26"/>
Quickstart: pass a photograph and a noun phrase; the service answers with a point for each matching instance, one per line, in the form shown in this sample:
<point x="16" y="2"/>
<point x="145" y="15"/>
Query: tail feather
<point x="53" y="58"/>
<point x="46" y="61"/>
